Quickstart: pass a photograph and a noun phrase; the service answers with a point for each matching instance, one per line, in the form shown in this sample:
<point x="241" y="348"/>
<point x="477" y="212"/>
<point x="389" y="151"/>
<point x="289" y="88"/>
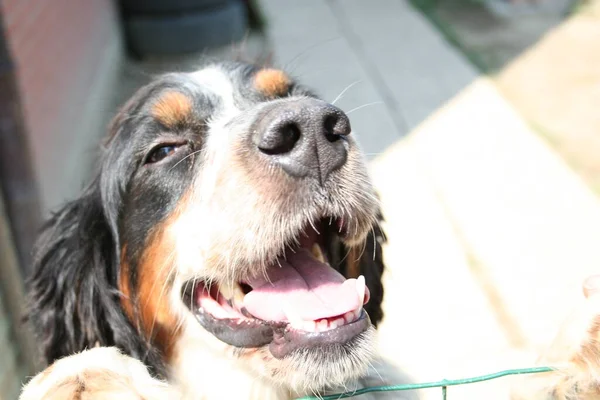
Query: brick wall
<point x="60" y="49"/>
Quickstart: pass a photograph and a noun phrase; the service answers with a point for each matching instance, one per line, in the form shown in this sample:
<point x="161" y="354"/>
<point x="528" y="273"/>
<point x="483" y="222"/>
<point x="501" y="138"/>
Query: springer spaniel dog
<point x="230" y="242"/>
<point x="229" y="247"/>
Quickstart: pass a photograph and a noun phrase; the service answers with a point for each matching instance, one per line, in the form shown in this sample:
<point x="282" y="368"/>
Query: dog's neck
<point x="202" y="373"/>
<point x="222" y="380"/>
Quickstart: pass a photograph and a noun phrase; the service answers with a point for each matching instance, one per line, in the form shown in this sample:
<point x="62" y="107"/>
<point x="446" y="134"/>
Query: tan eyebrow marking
<point x="271" y="82"/>
<point x="172" y="108"/>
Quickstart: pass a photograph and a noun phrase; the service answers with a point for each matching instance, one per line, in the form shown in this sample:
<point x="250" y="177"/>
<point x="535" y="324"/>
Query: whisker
<point x="288" y="65"/>
<point x="184" y="158"/>
<point x="193" y="292"/>
<point x="377" y="372"/>
<point x="316" y="394"/>
<point x="181" y="318"/>
<point x="313" y="226"/>
<point x="363" y="106"/>
<point x="344" y="258"/>
<point x="339" y="96"/>
<point x="374" y="242"/>
<point x="363" y="250"/>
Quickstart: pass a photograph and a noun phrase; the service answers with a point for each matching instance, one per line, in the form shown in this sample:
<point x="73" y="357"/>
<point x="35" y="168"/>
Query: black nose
<point x="305" y="137"/>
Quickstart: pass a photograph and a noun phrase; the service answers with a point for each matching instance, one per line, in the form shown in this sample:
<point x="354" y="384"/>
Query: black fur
<point x="370" y="265"/>
<point x="74" y="301"/>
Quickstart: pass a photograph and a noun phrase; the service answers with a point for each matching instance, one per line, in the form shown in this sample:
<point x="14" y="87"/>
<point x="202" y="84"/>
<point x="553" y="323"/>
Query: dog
<point x="229" y="244"/>
<point x="230" y="247"/>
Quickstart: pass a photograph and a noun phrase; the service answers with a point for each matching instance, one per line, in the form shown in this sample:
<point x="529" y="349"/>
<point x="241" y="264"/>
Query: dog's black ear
<point x="367" y="261"/>
<point x="71" y="302"/>
<point x="74" y="302"/>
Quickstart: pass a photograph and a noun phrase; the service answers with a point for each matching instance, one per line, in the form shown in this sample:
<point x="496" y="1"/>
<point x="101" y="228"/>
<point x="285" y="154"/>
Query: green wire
<point x="443" y="384"/>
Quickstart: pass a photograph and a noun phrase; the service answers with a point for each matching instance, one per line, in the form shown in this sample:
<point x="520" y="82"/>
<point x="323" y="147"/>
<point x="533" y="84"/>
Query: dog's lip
<point x="287" y="340"/>
<point x="282" y="339"/>
<point x="246" y="333"/>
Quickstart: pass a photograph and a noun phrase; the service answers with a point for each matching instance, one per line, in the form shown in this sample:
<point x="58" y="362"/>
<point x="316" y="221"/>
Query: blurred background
<point x="480" y="119"/>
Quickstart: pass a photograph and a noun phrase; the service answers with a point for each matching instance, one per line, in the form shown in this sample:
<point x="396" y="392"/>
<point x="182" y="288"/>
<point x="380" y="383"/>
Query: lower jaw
<point x="281" y="338"/>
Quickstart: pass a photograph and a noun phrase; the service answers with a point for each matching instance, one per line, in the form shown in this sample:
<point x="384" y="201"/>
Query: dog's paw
<point x="99" y="373"/>
<point x="575" y="353"/>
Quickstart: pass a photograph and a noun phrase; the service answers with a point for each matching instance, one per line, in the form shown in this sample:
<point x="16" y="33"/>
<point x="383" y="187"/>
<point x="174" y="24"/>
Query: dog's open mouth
<point x="300" y="302"/>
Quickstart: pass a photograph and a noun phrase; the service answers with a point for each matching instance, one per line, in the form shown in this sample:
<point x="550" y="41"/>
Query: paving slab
<point x="409" y="59"/>
<point x="307" y="41"/>
<point x="490" y="234"/>
<point x="531" y="222"/>
<point x="494" y="32"/>
<point x="556" y="87"/>
<point x="438" y="322"/>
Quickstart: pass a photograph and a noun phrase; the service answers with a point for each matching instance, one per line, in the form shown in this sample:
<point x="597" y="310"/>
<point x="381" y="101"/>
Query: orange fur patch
<point x="271" y="82"/>
<point x="154" y="286"/>
<point x="124" y="286"/>
<point x="154" y="291"/>
<point x="172" y="109"/>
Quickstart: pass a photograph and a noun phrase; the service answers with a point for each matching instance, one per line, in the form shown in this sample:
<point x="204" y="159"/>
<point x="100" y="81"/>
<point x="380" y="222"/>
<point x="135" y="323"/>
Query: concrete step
<point x="491" y="235"/>
<point x="555" y="86"/>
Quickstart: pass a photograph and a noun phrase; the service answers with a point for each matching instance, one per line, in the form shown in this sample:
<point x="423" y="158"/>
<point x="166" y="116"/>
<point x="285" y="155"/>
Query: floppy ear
<point x="73" y="300"/>
<point x="74" y="303"/>
<point x="71" y="303"/>
<point x="366" y="261"/>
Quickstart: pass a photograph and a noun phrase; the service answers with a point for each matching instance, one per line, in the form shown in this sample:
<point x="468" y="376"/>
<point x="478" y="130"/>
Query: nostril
<point x="330" y="128"/>
<point x="280" y="140"/>
<point x="336" y="125"/>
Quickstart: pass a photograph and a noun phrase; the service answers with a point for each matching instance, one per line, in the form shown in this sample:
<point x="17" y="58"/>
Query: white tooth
<point x="309" y="326"/>
<point x="360" y="289"/>
<point x="316" y="251"/>
<point x="349" y="317"/>
<point x="322" y="325"/>
<point x="232" y="292"/>
<point x="292" y="316"/>
<point x="227" y="290"/>
<point x="334" y="324"/>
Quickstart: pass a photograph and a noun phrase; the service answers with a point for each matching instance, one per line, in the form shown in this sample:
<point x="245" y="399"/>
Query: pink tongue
<point x="304" y="286"/>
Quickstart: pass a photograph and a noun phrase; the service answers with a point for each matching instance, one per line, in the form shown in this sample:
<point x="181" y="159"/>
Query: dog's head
<point x="232" y="217"/>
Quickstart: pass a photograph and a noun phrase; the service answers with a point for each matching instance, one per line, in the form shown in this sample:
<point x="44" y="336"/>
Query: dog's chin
<point x="314" y="370"/>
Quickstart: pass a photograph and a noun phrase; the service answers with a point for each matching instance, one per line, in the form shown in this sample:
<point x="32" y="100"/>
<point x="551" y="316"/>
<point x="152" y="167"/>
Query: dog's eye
<point x="161" y="152"/>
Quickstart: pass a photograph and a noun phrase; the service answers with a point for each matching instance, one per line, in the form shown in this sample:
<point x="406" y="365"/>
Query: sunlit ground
<point x="492" y="217"/>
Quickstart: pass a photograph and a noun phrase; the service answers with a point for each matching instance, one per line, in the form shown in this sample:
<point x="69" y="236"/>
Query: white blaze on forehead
<point x="218" y="83"/>
<point x="191" y="236"/>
